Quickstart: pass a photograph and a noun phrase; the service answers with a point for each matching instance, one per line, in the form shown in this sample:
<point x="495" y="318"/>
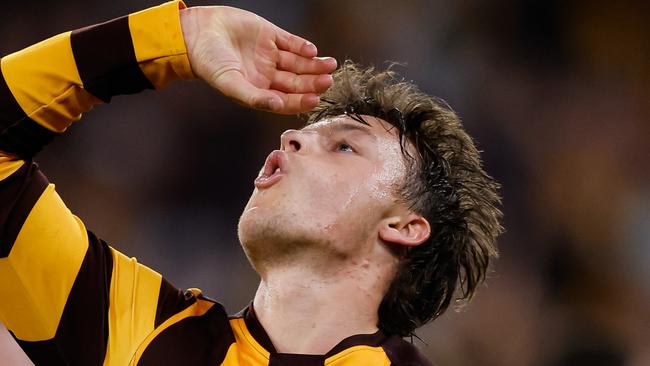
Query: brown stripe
<point x="288" y="359"/>
<point x="18" y="133"/>
<point x="256" y="330"/>
<point x="10" y="111"/>
<point x="106" y="60"/>
<point x="403" y="353"/>
<point x="171" y="300"/>
<point x="18" y="194"/>
<point x="196" y="340"/>
<point x="82" y="334"/>
<point x="25" y="138"/>
<point x="372" y="340"/>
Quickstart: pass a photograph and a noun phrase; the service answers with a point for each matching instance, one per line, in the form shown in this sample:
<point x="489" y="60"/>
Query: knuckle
<point x="293" y="41"/>
<point x="296" y="83"/>
<point x="300" y="63"/>
<point x="284" y="60"/>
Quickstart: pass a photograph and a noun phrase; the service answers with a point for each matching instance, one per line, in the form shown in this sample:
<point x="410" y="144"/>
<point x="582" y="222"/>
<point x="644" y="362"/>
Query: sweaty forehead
<point x="375" y="126"/>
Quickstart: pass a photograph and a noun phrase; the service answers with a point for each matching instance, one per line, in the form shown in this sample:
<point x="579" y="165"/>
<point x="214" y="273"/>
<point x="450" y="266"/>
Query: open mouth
<point x="274" y="169"/>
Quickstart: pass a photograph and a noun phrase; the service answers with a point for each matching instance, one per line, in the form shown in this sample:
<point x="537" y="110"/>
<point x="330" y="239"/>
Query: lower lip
<point x="266" y="182"/>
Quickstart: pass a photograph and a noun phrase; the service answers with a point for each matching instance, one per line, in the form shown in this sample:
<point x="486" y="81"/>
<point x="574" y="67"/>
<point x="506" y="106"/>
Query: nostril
<point x="295" y="145"/>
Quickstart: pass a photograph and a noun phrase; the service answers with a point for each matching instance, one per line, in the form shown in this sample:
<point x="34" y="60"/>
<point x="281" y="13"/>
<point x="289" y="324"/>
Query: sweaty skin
<point x="316" y="236"/>
<point x="328" y="185"/>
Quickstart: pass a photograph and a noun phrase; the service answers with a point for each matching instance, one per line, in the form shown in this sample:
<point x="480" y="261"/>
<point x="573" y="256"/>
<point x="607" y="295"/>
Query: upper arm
<point x="53" y="274"/>
<point x="67" y="295"/>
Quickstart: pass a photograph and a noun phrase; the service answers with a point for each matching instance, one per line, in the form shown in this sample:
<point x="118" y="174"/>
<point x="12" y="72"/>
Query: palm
<point x="254" y="62"/>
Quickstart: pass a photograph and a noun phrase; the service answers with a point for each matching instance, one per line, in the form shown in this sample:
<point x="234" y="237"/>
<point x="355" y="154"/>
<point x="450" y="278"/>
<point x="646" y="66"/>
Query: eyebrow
<point x="346" y="126"/>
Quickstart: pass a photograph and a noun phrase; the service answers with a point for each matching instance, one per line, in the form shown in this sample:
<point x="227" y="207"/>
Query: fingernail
<point x="309" y="44"/>
<point x="326" y="59"/>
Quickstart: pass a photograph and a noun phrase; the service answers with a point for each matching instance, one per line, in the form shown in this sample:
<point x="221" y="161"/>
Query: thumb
<point x="234" y="85"/>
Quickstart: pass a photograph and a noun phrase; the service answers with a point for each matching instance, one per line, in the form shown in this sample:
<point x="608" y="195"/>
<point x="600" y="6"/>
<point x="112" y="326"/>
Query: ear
<point x="409" y="230"/>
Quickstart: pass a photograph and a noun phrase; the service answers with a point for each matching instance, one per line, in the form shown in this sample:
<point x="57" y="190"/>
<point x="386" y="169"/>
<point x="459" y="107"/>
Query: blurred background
<point x="556" y="94"/>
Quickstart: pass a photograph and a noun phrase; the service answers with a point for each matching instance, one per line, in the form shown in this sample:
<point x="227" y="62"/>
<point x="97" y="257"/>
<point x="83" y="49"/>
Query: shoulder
<point x="403" y="353"/>
<point x="198" y="333"/>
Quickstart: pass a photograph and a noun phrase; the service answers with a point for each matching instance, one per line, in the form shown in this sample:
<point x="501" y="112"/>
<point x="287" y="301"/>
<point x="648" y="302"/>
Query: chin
<point x="263" y="236"/>
<point x="269" y="239"/>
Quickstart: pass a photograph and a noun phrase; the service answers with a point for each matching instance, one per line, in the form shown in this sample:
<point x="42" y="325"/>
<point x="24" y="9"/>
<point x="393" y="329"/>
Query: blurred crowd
<point x="556" y="94"/>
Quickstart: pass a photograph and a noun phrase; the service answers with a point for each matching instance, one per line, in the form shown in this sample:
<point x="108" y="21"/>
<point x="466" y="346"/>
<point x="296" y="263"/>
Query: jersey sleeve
<point x="66" y="296"/>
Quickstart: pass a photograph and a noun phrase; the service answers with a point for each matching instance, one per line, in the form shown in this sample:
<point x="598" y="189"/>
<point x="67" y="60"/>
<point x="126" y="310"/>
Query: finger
<point x="297" y="103"/>
<point x="233" y="84"/>
<point x="294" y="44"/>
<point x="291" y="83"/>
<point x="302" y="65"/>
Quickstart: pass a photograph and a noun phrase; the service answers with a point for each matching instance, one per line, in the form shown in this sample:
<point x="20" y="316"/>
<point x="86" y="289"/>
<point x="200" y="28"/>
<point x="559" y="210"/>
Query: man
<point x="360" y="226"/>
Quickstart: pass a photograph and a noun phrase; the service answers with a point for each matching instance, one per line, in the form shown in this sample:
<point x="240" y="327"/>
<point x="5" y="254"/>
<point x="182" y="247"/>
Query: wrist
<point x="188" y="25"/>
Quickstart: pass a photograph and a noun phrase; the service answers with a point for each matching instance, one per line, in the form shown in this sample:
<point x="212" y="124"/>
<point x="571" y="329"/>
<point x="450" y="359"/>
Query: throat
<point x="311" y="316"/>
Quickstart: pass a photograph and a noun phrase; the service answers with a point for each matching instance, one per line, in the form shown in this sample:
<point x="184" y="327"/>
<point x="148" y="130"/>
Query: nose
<point x="292" y="140"/>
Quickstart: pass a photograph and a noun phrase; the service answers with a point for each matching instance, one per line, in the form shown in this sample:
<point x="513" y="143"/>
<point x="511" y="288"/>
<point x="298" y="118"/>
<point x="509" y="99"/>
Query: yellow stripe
<point x="163" y="70"/>
<point x="159" y="45"/>
<point x="235" y="357"/>
<point x="37" y="276"/>
<point x="199" y="308"/>
<point x="46" y="84"/>
<point x="132" y="312"/>
<point x="65" y="109"/>
<point x="8" y="165"/>
<point x="359" y="355"/>
<point x="249" y="351"/>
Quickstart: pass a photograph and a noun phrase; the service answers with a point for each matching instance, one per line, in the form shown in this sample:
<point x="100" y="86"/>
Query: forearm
<point x="48" y="86"/>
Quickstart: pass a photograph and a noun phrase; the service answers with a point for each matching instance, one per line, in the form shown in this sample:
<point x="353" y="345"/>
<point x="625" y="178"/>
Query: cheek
<point x="344" y="205"/>
<point x="387" y="176"/>
<point x="332" y="193"/>
<point x="381" y="187"/>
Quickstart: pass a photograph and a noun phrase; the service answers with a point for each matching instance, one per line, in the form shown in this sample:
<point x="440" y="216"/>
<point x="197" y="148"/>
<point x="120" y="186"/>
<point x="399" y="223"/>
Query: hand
<point x="254" y="62"/>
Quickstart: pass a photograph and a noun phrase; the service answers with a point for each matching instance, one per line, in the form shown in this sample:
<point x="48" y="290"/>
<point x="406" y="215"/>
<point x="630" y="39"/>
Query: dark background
<point x="556" y="94"/>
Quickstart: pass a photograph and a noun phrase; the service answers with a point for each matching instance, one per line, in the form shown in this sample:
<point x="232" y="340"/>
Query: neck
<point x="307" y="312"/>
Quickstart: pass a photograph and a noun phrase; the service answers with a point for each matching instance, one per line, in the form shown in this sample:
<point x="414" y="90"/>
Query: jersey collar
<point x="257" y="331"/>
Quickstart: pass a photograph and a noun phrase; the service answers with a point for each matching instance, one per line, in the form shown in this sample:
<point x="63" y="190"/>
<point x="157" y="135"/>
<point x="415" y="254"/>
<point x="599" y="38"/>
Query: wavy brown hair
<point x="445" y="183"/>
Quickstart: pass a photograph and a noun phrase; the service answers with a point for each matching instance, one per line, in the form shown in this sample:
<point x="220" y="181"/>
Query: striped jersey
<point x="66" y="296"/>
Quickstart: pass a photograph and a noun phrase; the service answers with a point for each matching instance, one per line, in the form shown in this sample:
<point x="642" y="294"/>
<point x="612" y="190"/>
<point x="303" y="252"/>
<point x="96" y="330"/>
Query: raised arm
<point x="66" y="296"/>
<point x="46" y="87"/>
<point x="253" y="61"/>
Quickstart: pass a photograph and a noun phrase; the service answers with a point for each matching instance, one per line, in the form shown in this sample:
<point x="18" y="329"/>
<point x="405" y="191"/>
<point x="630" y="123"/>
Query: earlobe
<point x="409" y="231"/>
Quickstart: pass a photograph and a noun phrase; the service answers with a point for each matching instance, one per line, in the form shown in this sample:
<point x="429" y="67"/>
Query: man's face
<point x="324" y="192"/>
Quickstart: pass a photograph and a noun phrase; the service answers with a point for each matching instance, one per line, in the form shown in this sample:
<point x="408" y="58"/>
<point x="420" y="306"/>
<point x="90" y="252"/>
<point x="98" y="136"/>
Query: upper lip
<point x="277" y="159"/>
